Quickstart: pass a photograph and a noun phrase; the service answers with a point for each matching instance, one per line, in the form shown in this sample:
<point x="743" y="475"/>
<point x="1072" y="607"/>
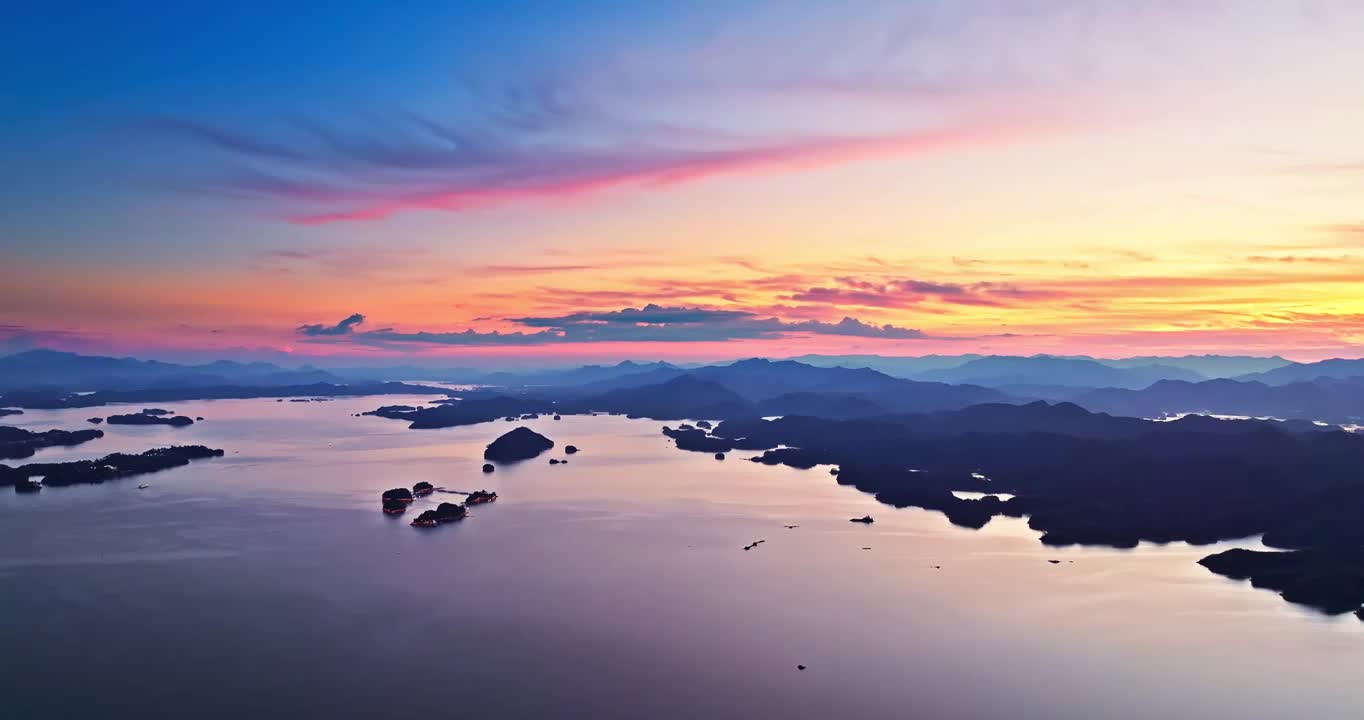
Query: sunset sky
<point x="691" y="181"/>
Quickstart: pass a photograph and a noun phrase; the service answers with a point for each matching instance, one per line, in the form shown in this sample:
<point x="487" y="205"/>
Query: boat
<point x="143" y="486"/>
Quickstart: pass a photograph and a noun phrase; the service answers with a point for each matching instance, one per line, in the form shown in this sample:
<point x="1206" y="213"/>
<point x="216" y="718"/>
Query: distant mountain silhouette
<point x="998" y="371"/>
<point x="828" y="405"/>
<point x="1203" y="366"/>
<point x="574" y="376"/>
<point x="70" y="371"/>
<point x="758" y="379"/>
<point x="766" y="387"/>
<point x="748" y="388"/>
<point x="895" y="366"/>
<point x="1337" y="368"/>
<point x="50" y="399"/>
<point x="685" y="396"/>
<point x="1328" y="401"/>
<point x="1070" y="419"/>
<point x="509" y="379"/>
<point x="1209" y="366"/>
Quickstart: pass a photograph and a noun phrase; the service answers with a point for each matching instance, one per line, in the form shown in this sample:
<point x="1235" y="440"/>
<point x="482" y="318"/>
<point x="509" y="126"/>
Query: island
<point x="1077" y="476"/>
<point x="151" y="416"/>
<point x="109" y="467"/>
<point x="16" y="443"/>
<point x="397" y="495"/>
<point x="466" y="411"/>
<point x="519" y="444"/>
<point x="1095" y="479"/>
<point x="479" y="497"/>
<point x="444" y="513"/>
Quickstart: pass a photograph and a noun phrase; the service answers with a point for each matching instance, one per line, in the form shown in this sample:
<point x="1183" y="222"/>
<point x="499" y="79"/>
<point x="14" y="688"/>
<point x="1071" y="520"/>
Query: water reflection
<point x="616" y="585"/>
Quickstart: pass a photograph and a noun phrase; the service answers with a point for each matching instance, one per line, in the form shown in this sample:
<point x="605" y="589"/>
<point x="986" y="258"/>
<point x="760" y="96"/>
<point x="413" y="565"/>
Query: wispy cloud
<point x="17" y="338"/>
<point x="651" y="323"/>
<point x="903" y="293"/>
<point x="1354" y="231"/>
<point x="619" y="117"/>
<point x="1319" y="259"/>
<point x="363" y="177"/>
<point x="345" y="327"/>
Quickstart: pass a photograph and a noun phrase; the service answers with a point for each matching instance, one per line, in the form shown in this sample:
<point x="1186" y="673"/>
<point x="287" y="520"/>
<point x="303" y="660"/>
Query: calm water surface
<point x="268" y="582"/>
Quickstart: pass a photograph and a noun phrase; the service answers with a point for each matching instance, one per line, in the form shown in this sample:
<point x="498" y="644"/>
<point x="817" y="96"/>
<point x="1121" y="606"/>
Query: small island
<point x="444" y="513"/>
<point x="519" y="444"/>
<point x="395" y="501"/>
<point x="151" y="416"/>
<point x="398" y="495"/>
<point x="479" y="497"/>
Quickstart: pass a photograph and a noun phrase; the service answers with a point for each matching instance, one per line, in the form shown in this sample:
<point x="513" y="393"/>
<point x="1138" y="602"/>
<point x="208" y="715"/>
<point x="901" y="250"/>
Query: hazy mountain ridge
<point x="1335" y="368"/>
<point x="70" y="371"/>
<point x="1338" y="401"/>
<point x="999" y="371"/>
<point x="832" y="388"/>
<point x="1205" y="366"/>
<point x="748" y="388"/>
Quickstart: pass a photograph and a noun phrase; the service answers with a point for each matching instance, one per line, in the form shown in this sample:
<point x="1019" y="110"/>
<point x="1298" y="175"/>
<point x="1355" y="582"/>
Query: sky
<point x="499" y="182"/>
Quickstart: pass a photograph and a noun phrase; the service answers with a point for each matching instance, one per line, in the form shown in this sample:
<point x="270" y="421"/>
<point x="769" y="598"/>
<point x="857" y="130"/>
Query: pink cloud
<point x="670" y="170"/>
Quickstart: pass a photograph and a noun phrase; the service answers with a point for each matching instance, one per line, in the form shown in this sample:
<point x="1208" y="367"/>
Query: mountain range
<point x="50" y="368"/>
<point x="829" y="386"/>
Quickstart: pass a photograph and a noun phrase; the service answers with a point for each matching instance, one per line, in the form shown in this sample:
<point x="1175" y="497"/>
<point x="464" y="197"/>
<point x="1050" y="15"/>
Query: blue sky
<point x="185" y="178"/>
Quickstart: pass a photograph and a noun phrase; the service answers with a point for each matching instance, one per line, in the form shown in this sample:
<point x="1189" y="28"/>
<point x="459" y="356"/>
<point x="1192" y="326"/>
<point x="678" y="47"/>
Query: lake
<point x="268" y="582"/>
